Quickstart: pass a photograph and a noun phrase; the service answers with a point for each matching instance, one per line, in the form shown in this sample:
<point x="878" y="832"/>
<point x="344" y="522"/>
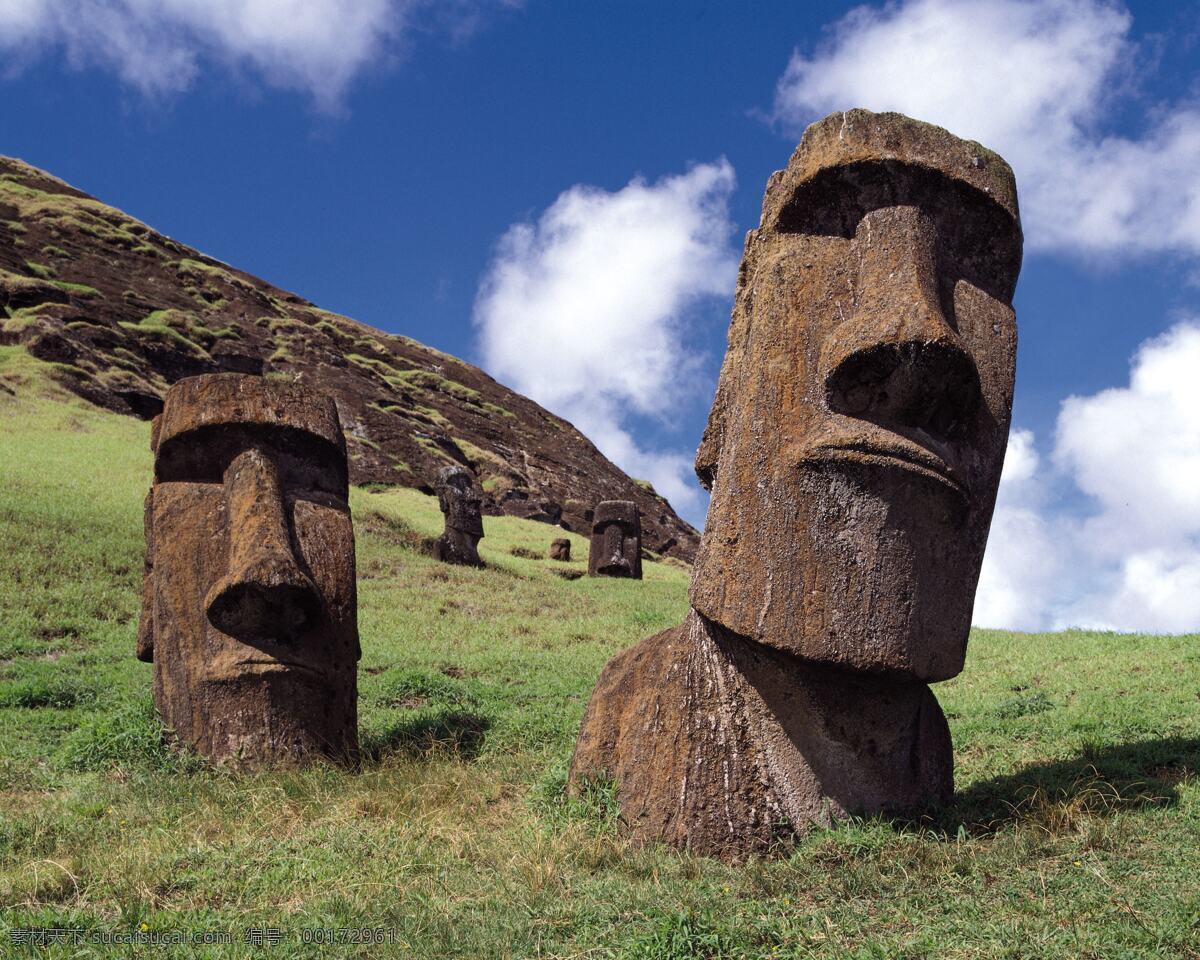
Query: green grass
<point x="428" y="380"/>
<point x="1075" y="831"/>
<point x="79" y="289"/>
<point x="39" y="270"/>
<point x="330" y="330"/>
<point x="171" y="325"/>
<point x="498" y="411"/>
<point x="23" y="317"/>
<point x="197" y="268"/>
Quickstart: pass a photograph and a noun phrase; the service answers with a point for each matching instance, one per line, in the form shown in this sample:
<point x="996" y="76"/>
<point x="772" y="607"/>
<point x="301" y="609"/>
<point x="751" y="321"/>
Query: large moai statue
<point x="616" y="546"/>
<point x="463" y="508"/>
<point x="853" y="452"/>
<point x="249" y="607"/>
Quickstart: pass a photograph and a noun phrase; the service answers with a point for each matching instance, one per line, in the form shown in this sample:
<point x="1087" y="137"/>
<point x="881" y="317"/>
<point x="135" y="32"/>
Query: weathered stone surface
<point x="616" y="546"/>
<point x="463" y="508"/>
<point x="728" y="747"/>
<point x="853" y="452"/>
<point x="560" y="549"/>
<point x="249" y="607"/>
<point x="867" y="389"/>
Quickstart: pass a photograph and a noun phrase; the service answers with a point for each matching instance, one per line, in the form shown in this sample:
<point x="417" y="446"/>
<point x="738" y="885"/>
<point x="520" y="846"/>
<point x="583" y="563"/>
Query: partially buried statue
<point x="463" y="507"/>
<point x="853" y="453"/>
<point x="616" y="547"/>
<point x="249" y="611"/>
<point x="560" y="549"/>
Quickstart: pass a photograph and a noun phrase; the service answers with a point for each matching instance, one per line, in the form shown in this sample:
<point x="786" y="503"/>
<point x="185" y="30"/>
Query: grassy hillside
<point x="1075" y="832"/>
<point x="120" y="312"/>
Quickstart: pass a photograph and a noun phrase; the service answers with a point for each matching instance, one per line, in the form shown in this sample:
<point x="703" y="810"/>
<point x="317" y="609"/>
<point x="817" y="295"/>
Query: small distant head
<point x="616" y="545"/>
<point x="460" y="502"/>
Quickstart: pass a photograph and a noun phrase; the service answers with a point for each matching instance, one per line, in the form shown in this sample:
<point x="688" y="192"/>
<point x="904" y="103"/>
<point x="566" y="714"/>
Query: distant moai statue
<point x="853" y="452"/>
<point x="463" y="508"/>
<point x="616" y="547"/>
<point x="249" y="605"/>
<point x="560" y="549"/>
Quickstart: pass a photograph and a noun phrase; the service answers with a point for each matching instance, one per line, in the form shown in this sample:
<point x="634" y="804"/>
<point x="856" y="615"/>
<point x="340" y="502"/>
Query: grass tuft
<point x="58" y="692"/>
<point x="131" y="735"/>
<point x="686" y="935"/>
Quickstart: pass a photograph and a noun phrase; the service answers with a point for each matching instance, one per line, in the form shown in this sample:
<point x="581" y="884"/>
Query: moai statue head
<point x="855" y="444"/>
<point x="560" y="549"/>
<point x="463" y="508"/>
<point x="249" y="607"/>
<point x="853" y="453"/>
<point x="616" y="548"/>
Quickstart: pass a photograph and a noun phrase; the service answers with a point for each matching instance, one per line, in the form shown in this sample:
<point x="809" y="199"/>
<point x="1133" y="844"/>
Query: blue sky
<point x="558" y="191"/>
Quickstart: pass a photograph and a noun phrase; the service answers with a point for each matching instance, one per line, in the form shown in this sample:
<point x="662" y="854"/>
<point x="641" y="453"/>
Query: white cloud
<point x="587" y="309"/>
<point x="159" y="47"/>
<point x="1034" y="80"/>
<point x="1132" y="562"/>
<point x="1023" y="558"/>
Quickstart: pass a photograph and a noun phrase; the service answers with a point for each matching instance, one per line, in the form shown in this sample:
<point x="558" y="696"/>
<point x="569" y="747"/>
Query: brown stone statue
<point x="560" y="549"/>
<point x="853" y="453"/>
<point x="616" y="547"/>
<point x="249" y="610"/>
<point x="463" y="508"/>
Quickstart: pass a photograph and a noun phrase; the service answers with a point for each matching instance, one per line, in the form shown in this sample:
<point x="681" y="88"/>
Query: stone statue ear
<point x="145" y="634"/>
<point x="709" y="453"/>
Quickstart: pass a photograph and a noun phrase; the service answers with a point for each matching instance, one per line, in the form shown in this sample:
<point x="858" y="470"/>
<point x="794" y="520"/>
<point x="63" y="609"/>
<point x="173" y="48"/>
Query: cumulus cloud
<point x="588" y="310"/>
<point x="158" y="47"/>
<point x="1034" y="80"/>
<point x="1130" y="560"/>
<point x="1023" y="558"/>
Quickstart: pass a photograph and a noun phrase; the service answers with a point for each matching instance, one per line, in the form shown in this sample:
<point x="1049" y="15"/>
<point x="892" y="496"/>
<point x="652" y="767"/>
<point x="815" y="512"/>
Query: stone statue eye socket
<point x="978" y="241"/>
<point x="306" y="463"/>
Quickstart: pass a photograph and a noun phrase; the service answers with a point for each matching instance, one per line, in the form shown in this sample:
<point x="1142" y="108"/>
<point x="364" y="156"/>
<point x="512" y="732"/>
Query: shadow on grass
<point x="1101" y="781"/>
<point x="459" y="733"/>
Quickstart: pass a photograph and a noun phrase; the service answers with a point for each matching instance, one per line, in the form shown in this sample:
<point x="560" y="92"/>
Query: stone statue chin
<point x="853" y="452"/>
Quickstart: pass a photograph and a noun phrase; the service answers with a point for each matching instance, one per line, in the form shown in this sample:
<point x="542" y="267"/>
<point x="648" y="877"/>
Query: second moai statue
<point x="249" y="606"/>
<point x="560" y="549"/>
<point x="463" y="509"/>
<point x="616" y="547"/>
<point x="853" y="452"/>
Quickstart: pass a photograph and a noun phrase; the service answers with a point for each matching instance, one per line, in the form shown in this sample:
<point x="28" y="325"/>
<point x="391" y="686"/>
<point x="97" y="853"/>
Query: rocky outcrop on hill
<point x="122" y="312"/>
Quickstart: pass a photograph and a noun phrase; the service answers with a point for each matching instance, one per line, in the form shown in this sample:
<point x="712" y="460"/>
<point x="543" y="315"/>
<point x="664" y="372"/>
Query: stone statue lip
<point x="272" y="666"/>
<point x="883" y="447"/>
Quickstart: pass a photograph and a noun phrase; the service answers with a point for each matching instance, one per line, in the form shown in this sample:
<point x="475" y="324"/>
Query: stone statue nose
<point x="264" y="594"/>
<point x="896" y="360"/>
